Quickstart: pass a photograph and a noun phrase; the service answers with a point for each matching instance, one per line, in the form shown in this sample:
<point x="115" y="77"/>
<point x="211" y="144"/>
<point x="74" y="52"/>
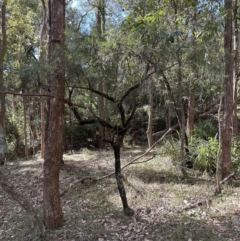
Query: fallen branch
<point x="112" y="173"/>
<point x="23" y="202"/>
<point x="232" y="175"/>
<point x="149" y="159"/>
<point x="206" y="202"/>
<point x="138" y="157"/>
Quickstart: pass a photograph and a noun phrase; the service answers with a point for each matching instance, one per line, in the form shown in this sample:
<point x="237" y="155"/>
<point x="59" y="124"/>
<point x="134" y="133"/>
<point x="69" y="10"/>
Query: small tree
<point x="118" y="126"/>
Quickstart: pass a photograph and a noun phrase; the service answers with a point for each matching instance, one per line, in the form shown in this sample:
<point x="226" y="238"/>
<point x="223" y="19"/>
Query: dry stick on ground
<point x="232" y="175"/>
<point x="23" y="202"/>
<point x="206" y="202"/>
<point x="112" y="173"/>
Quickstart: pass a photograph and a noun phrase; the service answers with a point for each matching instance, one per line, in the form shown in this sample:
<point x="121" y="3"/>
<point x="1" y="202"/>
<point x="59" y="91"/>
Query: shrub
<point x="203" y="154"/>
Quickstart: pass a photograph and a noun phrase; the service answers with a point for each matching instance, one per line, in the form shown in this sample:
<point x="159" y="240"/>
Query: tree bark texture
<point x="226" y="130"/>
<point x="53" y="215"/>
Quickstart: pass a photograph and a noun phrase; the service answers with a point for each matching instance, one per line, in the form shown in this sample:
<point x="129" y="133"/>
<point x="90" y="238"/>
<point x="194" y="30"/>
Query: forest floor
<point x="167" y="206"/>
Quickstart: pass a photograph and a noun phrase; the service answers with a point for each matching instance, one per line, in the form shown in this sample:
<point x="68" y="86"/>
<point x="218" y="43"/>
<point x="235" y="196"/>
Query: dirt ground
<point x="167" y="206"/>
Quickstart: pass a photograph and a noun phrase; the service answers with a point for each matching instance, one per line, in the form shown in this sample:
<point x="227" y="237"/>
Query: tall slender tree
<point x="191" y="100"/>
<point x="3" y="50"/>
<point x="235" y="68"/>
<point x="226" y="128"/>
<point x="42" y="59"/>
<point x="100" y="21"/>
<point x="53" y="215"/>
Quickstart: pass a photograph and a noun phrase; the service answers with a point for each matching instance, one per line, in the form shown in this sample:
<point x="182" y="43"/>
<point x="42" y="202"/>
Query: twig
<point x="227" y="178"/>
<point x="138" y="157"/>
<point x="206" y="202"/>
<point x="149" y="159"/>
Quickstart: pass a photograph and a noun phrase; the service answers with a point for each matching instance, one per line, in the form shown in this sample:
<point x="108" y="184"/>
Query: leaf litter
<point x="92" y="211"/>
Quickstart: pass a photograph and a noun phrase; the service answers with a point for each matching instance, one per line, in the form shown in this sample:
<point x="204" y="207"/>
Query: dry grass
<point x="158" y="193"/>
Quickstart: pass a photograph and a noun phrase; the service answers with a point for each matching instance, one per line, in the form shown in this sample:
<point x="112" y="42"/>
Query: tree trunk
<point x="101" y="115"/>
<point x="25" y="127"/>
<point x="235" y="70"/>
<point x="117" y="150"/>
<point x="191" y="100"/>
<point x="191" y="107"/>
<point x="180" y="111"/>
<point x="3" y="50"/>
<point x="100" y="17"/>
<point x="219" y="153"/>
<point x="53" y="215"/>
<point x="150" y="116"/>
<point x="226" y="131"/>
<point x="42" y="59"/>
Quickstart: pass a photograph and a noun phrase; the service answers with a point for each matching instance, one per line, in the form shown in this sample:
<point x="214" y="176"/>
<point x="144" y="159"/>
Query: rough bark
<point x="53" y="215"/>
<point x="226" y="131"/>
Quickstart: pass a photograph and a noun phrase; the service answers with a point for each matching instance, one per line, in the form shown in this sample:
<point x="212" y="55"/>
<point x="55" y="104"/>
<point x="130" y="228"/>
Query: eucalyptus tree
<point x="53" y="215"/>
<point x="226" y="127"/>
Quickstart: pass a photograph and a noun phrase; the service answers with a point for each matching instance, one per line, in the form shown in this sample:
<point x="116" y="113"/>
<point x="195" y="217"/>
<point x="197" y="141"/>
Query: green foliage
<point x="203" y="154"/>
<point x="206" y="129"/>
<point x="15" y="147"/>
<point x="171" y="148"/>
